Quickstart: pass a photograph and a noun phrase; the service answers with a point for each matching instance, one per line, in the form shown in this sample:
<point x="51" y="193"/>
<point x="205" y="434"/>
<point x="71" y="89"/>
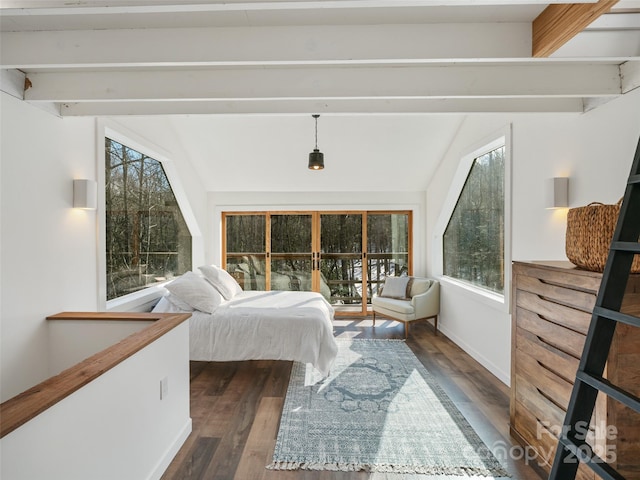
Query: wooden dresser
<point x="552" y="305"/>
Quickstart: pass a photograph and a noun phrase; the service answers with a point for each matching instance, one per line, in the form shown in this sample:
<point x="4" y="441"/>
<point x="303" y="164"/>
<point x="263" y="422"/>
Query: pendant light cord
<point x="316" y="117"/>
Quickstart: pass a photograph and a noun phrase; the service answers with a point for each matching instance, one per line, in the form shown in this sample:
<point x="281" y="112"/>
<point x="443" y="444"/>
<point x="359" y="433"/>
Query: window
<point x="318" y="251"/>
<point x="147" y="239"/>
<point x="387" y="247"/>
<point x="473" y="241"/>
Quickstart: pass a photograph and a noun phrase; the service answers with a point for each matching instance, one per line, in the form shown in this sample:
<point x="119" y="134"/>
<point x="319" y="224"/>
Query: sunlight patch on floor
<point x="348" y="334"/>
<point x="344" y="323"/>
<point x="387" y="324"/>
<point x="365" y="323"/>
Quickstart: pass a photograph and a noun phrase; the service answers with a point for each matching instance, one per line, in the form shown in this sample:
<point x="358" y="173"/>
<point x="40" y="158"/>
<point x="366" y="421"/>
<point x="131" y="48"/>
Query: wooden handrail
<point x="23" y="407"/>
<point x="124" y="316"/>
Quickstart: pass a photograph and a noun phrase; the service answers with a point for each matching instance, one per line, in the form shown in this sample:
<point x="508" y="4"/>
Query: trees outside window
<point x="343" y="255"/>
<point x="473" y="244"/>
<point x="147" y="239"/>
<point x="388" y="240"/>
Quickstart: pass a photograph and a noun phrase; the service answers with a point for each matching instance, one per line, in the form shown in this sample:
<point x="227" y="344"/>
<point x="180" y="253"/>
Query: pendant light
<point x="316" y="158"/>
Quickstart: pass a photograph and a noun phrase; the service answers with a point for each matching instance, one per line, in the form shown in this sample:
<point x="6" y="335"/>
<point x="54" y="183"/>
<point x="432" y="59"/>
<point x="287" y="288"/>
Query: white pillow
<point x="171" y="304"/>
<point x="196" y="291"/>
<point x="179" y="304"/>
<point x="395" y="287"/>
<point x="222" y="280"/>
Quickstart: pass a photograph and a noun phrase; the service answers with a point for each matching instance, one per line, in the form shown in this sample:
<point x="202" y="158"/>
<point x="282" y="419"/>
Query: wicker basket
<point x="589" y="233"/>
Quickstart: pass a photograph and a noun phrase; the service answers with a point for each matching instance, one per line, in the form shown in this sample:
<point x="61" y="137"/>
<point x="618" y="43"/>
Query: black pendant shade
<point x="316" y="158"/>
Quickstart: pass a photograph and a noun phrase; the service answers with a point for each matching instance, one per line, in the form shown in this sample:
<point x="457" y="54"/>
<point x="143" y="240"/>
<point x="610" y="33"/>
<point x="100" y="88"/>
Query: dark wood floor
<point x="236" y="407"/>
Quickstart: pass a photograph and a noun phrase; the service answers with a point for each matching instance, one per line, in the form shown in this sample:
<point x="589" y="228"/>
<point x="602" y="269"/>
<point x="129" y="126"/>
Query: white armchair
<point x="422" y="303"/>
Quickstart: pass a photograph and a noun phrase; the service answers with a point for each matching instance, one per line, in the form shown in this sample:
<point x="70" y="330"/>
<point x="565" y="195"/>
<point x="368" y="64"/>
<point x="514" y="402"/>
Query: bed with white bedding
<point x="259" y="325"/>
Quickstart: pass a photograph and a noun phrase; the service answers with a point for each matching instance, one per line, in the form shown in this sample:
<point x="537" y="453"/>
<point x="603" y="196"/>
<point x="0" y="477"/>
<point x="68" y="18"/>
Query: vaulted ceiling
<point x="424" y="58"/>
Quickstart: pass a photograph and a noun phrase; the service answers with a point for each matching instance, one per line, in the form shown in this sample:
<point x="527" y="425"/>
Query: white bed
<point x="256" y="325"/>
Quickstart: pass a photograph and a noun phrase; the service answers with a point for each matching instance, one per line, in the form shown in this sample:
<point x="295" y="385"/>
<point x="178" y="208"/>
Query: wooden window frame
<point x="316" y="243"/>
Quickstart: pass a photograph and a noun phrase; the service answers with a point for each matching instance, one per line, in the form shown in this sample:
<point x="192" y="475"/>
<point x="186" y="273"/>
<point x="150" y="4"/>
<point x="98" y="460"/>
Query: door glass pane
<point x="291" y="255"/>
<point x="246" y="250"/>
<point x="387" y="248"/>
<point x="341" y="257"/>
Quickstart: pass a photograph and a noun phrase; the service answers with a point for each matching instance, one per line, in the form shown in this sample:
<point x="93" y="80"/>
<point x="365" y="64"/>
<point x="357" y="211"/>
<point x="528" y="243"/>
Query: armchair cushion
<point x="395" y="287"/>
<point x="419" y="285"/>
<point x="401" y="307"/>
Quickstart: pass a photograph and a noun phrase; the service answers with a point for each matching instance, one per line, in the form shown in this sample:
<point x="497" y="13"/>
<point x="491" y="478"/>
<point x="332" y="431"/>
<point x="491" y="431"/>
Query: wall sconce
<point x="85" y="194"/>
<point x="557" y="195"/>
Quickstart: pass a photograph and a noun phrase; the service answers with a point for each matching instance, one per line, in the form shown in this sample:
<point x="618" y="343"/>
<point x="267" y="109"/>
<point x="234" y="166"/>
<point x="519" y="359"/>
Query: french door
<point x="342" y="259"/>
<point x="343" y="255"/>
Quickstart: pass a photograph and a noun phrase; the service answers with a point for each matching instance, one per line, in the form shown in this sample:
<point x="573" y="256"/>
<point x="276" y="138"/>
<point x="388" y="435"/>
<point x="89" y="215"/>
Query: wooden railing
<point x="23" y="407"/>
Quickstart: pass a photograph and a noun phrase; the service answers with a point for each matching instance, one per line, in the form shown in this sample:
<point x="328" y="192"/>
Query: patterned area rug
<point x="379" y="410"/>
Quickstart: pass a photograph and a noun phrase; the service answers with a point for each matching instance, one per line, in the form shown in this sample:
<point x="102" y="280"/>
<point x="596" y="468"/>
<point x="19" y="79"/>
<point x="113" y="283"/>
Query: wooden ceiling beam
<point x="559" y="23"/>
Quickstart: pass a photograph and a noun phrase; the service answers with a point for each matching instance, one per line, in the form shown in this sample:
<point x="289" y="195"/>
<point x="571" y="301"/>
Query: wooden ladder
<point x="589" y="380"/>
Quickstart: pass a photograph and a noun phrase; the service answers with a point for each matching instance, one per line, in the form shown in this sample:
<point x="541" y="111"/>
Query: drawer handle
<point x="555" y="346"/>
<point x="549" y="369"/>
<point x="548" y="398"/>
<point x="544" y="425"/>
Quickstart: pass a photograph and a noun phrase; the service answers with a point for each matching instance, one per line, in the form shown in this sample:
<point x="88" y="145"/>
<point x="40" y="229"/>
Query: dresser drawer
<point x="555" y="360"/>
<point x="537" y="404"/>
<point x="549" y="384"/>
<point x="537" y="436"/>
<point x="562" y="338"/>
<point x="563" y="294"/>
<point x="543" y="442"/>
<point x="572" y="318"/>
<point x="564" y="276"/>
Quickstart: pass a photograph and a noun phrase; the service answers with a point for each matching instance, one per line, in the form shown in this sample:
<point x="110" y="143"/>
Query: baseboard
<point x="171" y="452"/>
<point x="503" y="376"/>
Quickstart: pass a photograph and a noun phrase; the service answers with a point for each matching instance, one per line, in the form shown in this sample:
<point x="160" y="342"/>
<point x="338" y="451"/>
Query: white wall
<point x="71" y="341"/>
<point x="96" y="434"/>
<point x="48" y="254"/>
<point x="295" y="201"/>
<point x="594" y="149"/>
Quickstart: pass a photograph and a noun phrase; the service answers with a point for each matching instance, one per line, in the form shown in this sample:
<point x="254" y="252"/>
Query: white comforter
<point x="273" y="325"/>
